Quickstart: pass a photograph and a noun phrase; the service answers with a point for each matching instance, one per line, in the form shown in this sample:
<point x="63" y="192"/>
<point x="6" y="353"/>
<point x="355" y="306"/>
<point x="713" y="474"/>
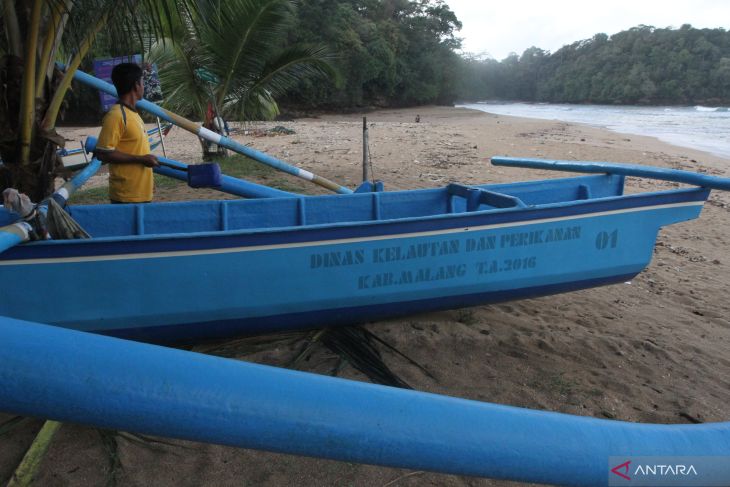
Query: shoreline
<point x="614" y="118"/>
<point x="652" y="350"/>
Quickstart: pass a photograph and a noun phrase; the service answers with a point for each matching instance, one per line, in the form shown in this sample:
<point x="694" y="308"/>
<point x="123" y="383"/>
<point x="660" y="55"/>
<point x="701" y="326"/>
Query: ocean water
<point x="698" y="127"/>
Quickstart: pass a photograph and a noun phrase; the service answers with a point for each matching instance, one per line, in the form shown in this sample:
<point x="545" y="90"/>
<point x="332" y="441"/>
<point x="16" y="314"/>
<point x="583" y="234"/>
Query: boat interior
<point x="109" y="220"/>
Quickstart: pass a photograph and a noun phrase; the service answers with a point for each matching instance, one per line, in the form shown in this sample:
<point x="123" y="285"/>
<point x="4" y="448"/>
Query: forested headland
<point x="642" y="65"/>
<point x="396" y="53"/>
<point x="405" y="53"/>
<point x="389" y="52"/>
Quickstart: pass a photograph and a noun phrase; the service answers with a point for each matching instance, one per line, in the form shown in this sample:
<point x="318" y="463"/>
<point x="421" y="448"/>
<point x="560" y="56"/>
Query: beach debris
<point x="691" y="418"/>
<point x="272" y="132"/>
<point x="61" y="225"/>
<point x="354" y="345"/>
<point x="18" y="202"/>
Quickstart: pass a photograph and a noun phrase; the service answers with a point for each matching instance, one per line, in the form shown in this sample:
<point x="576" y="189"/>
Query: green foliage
<point x="391" y="52"/>
<point x="386" y="52"/>
<point x="240" y="42"/>
<point x="38" y="33"/>
<point x="642" y="65"/>
<point x="91" y="196"/>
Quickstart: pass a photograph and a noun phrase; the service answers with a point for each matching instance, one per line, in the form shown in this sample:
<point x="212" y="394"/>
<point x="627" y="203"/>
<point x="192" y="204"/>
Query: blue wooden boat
<point x="190" y="270"/>
<point x="173" y="271"/>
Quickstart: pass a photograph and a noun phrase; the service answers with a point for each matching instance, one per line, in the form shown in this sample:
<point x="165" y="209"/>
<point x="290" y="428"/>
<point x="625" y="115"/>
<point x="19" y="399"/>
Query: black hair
<point x="125" y="76"/>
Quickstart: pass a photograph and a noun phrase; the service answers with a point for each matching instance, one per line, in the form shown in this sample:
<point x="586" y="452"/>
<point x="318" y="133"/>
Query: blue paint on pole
<point x="12" y="235"/>
<point x="687" y="177"/>
<point x="228" y="185"/>
<point x="223" y="141"/>
<point x="65" y="375"/>
<point x="9" y="237"/>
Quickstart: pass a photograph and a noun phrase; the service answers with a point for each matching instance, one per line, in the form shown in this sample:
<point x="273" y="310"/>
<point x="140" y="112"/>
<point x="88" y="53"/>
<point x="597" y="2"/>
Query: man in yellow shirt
<point x="123" y="142"/>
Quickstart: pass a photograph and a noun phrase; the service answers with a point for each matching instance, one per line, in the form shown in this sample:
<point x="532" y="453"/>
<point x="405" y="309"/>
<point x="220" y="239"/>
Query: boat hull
<point x="215" y="284"/>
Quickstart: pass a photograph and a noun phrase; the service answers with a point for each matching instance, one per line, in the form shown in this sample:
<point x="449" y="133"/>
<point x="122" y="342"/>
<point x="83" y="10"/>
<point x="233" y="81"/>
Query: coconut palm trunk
<point x="32" y="89"/>
<point x="27" y="150"/>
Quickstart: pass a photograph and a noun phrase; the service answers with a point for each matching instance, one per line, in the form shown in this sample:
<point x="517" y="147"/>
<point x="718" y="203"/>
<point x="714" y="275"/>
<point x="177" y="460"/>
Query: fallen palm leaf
<point x="147" y="441"/>
<point x="354" y="345"/>
<point x="109" y="440"/>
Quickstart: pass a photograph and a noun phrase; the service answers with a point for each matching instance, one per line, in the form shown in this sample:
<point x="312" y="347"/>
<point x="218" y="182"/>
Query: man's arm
<point x="117" y="157"/>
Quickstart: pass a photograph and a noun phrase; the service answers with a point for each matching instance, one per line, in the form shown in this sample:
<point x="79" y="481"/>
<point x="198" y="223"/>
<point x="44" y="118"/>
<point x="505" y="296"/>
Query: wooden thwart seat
<point x="476" y="197"/>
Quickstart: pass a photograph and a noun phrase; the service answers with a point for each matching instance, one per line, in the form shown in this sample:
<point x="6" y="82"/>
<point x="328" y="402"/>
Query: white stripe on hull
<point x="253" y="248"/>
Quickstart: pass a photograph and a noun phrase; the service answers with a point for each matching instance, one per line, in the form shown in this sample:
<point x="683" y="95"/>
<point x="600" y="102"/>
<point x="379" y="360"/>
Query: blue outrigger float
<point x="192" y="270"/>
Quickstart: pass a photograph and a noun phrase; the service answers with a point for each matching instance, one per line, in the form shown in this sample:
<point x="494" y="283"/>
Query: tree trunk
<point x="35" y="179"/>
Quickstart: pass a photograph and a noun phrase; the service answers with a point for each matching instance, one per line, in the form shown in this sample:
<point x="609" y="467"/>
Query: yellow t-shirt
<point x="131" y="183"/>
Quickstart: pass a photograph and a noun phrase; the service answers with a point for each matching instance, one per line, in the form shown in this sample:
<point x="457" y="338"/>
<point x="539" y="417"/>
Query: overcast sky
<point x="498" y="27"/>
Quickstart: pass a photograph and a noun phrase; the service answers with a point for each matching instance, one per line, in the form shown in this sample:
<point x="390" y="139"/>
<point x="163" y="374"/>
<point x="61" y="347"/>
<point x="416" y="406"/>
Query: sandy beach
<point x="652" y="350"/>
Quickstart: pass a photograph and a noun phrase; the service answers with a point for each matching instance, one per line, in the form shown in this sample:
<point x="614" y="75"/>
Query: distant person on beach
<point x="123" y="142"/>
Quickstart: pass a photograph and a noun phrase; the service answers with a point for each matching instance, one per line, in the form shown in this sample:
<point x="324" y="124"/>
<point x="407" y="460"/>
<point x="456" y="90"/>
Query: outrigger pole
<point x="239" y="187"/>
<point x="117" y="384"/>
<point x="675" y="175"/>
<point x="211" y="136"/>
<point x="19" y="232"/>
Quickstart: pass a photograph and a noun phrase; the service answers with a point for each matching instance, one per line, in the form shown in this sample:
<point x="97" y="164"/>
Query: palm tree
<point x="230" y="54"/>
<point x="37" y="33"/>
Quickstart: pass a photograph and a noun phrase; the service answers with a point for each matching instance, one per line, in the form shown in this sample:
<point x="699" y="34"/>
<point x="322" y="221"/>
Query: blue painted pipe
<point x="72" y="376"/>
<point x="64" y="192"/>
<point x="211" y="136"/>
<point x="229" y="184"/>
<point x="702" y="180"/>
<point x="19" y="232"/>
<point x="14" y="234"/>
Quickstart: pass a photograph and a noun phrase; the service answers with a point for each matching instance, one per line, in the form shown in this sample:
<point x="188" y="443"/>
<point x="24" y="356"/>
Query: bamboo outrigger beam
<point x="211" y="136"/>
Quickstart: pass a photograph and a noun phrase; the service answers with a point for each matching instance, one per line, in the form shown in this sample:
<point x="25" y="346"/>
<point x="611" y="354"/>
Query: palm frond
<point x="353" y="344"/>
<point x="177" y="62"/>
<point x="239" y="42"/>
<point x="12" y="28"/>
<point x="133" y="24"/>
<point x="240" y="36"/>
<point x="114" y="463"/>
<point x="306" y="350"/>
<point x="149" y="442"/>
<point x="373" y="336"/>
<point x="277" y="76"/>
<point x="242" y="347"/>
